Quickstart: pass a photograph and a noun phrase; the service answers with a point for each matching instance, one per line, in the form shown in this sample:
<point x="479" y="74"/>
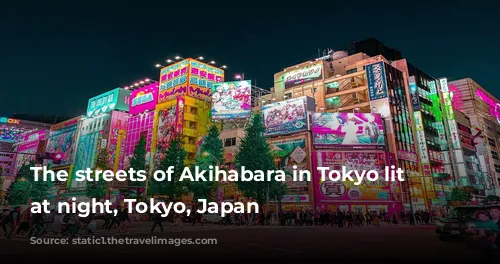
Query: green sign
<point x="116" y="99"/>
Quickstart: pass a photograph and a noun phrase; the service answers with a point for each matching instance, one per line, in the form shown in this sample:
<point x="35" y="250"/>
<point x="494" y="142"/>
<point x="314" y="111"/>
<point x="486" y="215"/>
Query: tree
<point x="463" y="194"/>
<point x="211" y="153"/>
<point x="138" y="161"/>
<point x="25" y="187"/>
<point x="174" y="156"/>
<point x="254" y="154"/>
<point x="98" y="189"/>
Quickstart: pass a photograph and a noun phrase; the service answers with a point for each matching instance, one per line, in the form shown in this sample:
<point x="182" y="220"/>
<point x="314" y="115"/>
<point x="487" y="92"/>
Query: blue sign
<point x="377" y="83"/>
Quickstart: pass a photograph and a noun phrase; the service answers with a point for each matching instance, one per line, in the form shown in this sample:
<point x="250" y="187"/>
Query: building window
<point x="494" y="155"/>
<point x="229" y="142"/>
<point x="351" y="71"/>
<point x="491" y="142"/>
<point x="288" y="95"/>
<point x="497" y="168"/>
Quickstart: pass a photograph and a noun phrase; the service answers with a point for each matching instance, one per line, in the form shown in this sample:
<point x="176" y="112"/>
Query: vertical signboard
<point x="376" y="78"/>
<point x="415" y="101"/>
<point x="450" y="115"/>
<point x="422" y="144"/>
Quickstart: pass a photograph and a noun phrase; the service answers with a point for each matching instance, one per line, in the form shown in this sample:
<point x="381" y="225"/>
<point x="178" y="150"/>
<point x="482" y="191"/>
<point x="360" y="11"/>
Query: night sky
<point x="54" y="57"/>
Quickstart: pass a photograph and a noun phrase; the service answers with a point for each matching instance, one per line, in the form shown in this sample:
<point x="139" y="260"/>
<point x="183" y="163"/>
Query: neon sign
<point x="494" y="106"/>
<point x="142" y="99"/>
<point x="5" y="120"/>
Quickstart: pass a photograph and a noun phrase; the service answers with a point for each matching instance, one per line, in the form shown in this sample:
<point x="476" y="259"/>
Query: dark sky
<point x="53" y="57"/>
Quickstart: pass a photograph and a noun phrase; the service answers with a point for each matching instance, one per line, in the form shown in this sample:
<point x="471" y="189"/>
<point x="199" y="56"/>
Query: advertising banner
<point x="35" y="136"/>
<point x="415" y="100"/>
<point x="492" y="103"/>
<point x="407" y="155"/>
<point x="117" y="134"/>
<point x="289" y="153"/>
<point x="173" y="81"/>
<point x="26" y="153"/>
<point x="179" y="121"/>
<point x="422" y="143"/>
<point x="345" y="190"/>
<point x="63" y="141"/>
<point x="136" y="127"/>
<point x="144" y="98"/>
<point x="285" y="117"/>
<point x="116" y="99"/>
<point x="202" y="76"/>
<point x="347" y="130"/>
<point x="304" y="75"/>
<point x="165" y="132"/>
<point x="377" y="82"/>
<point x="231" y="100"/>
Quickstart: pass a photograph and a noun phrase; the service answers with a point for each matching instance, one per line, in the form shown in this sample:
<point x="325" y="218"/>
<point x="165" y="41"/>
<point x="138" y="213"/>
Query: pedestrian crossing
<point x="146" y="230"/>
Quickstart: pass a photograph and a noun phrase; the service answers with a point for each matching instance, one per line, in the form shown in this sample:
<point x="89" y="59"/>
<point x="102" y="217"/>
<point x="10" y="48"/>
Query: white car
<point x="212" y="218"/>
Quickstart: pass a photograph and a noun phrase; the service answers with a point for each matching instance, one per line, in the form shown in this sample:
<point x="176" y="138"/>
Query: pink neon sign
<point x="494" y="106"/>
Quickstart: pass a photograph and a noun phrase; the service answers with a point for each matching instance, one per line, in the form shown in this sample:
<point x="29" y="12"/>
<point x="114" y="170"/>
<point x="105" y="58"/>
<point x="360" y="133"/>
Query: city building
<point x="47" y="119"/>
<point x="184" y="106"/>
<point x="430" y="133"/>
<point x="104" y="126"/>
<point x="373" y="47"/>
<point x="12" y="133"/>
<point x="481" y="107"/>
<point x="359" y="84"/>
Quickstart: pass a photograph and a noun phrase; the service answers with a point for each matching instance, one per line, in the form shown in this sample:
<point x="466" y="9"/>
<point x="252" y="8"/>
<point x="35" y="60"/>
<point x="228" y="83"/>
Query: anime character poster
<point x="231" y="100"/>
<point x="166" y="131"/>
<point x="63" y="141"/>
<point x="347" y="129"/>
<point x="289" y="153"/>
<point x="346" y="190"/>
<point x="285" y="117"/>
<point x="26" y="154"/>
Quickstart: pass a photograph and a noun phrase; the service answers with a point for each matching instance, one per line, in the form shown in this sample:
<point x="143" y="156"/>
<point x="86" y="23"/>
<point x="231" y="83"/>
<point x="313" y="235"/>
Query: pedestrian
<point x="3" y="220"/>
<point x="13" y="221"/>
<point x="24" y="222"/>
<point x="36" y="224"/>
<point x="157" y="219"/>
<point x="123" y="218"/>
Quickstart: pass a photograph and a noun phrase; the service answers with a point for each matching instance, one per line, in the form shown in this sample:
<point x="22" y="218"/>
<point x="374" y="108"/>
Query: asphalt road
<point x="246" y="243"/>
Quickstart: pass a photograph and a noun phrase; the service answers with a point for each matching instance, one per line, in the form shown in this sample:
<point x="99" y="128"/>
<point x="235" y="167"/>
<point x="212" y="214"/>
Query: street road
<point x="401" y="243"/>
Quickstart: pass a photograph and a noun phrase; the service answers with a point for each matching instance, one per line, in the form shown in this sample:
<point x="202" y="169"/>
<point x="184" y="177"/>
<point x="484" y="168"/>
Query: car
<point x="212" y="218"/>
<point x="465" y="223"/>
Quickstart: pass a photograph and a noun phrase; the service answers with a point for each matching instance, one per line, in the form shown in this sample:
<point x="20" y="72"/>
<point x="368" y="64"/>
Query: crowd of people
<point x="17" y="221"/>
<point x="24" y="222"/>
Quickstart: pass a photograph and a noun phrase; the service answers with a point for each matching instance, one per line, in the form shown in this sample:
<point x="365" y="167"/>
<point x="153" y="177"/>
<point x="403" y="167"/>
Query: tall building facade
<point x="482" y="109"/>
<point x="184" y="105"/>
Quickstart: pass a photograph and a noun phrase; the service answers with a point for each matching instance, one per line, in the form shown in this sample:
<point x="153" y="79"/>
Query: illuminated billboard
<point x="188" y="77"/>
<point x="201" y="78"/>
<point x="346" y="190"/>
<point x="415" y="100"/>
<point x="167" y="118"/>
<point x="289" y="153"/>
<point x="347" y="130"/>
<point x="144" y="98"/>
<point x="306" y="74"/>
<point x="449" y="113"/>
<point x="173" y="81"/>
<point x="63" y="140"/>
<point x="231" y="100"/>
<point x="377" y="82"/>
<point x="287" y="117"/>
<point x="422" y="143"/>
<point x="116" y="99"/>
<point x="492" y="103"/>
